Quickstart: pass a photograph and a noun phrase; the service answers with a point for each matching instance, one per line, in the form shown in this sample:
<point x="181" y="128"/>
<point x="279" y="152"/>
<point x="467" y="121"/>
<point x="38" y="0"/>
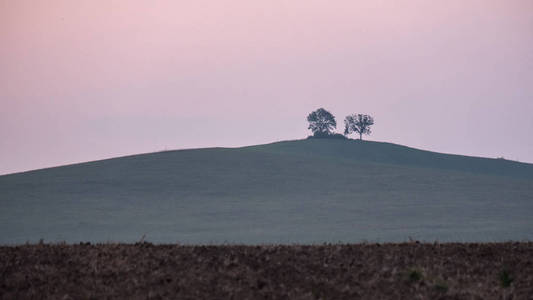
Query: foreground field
<point x="356" y="271"/>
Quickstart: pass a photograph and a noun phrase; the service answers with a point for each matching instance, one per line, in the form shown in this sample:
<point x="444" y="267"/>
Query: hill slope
<point x="295" y="191"/>
<point x="387" y="153"/>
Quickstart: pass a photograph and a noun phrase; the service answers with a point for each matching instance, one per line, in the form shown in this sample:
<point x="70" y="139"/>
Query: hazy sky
<point x="85" y="80"/>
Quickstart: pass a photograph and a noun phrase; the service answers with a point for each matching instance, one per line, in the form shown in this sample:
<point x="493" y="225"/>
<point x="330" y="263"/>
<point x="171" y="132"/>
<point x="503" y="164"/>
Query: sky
<point x="87" y="80"/>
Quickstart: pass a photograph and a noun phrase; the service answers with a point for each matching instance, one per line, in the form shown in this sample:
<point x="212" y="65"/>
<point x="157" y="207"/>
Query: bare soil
<point x="355" y="271"/>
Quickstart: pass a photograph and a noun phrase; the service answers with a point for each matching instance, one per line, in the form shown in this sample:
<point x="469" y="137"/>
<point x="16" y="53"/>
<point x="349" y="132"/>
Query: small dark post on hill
<point x="358" y="123"/>
<point x="321" y="122"/>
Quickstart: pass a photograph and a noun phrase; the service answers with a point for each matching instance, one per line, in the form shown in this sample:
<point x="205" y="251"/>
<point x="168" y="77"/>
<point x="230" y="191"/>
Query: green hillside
<point x="308" y="191"/>
<point x="387" y="153"/>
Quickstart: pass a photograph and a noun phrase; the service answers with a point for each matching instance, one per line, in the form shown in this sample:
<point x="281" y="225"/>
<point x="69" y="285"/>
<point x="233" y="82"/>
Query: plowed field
<point x="355" y="271"/>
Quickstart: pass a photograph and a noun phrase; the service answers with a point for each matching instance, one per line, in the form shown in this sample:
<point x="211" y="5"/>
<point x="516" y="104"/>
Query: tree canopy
<point x="321" y="122"/>
<point x="358" y="123"/>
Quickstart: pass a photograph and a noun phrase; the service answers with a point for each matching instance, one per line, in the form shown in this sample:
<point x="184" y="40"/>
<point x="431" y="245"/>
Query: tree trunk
<point x="360" y="136"/>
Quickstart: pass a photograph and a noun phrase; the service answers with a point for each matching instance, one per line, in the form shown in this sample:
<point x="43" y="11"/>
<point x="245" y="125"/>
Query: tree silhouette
<point x="358" y="123"/>
<point x="321" y="122"/>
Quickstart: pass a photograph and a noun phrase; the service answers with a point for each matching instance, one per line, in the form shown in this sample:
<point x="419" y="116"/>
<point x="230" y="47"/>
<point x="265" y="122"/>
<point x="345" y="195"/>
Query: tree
<point x="321" y="122"/>
<point x="358" y="123"/>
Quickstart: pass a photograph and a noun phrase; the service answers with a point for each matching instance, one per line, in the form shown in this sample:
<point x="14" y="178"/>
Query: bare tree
<point x="358" y="123"/>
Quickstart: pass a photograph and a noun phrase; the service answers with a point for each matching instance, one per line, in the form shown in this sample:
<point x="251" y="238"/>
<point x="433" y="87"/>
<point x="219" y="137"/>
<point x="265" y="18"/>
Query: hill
<point x="387" y="153"/>
<point x="303" y="191"/>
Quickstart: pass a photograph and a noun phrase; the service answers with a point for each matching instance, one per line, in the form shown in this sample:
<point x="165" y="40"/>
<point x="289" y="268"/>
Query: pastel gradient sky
<point x="85" y="80"/>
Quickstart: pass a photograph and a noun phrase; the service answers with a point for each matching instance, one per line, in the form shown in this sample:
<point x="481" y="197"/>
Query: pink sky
<point x="85" y="80"/>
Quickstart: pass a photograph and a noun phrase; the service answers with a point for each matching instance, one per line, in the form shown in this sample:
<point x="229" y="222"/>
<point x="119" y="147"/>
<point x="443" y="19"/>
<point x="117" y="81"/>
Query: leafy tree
<point x="321" y="122"/>
<point x="358" y="123"/>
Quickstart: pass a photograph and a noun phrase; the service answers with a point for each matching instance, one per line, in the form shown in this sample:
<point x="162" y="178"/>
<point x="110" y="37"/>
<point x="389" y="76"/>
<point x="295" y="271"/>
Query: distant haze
<point x="85" y="80"/>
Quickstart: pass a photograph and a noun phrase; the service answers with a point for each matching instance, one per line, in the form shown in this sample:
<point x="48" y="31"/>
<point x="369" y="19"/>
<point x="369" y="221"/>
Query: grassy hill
<point x="387" y="153"/>
<point x="301" y="191"/>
